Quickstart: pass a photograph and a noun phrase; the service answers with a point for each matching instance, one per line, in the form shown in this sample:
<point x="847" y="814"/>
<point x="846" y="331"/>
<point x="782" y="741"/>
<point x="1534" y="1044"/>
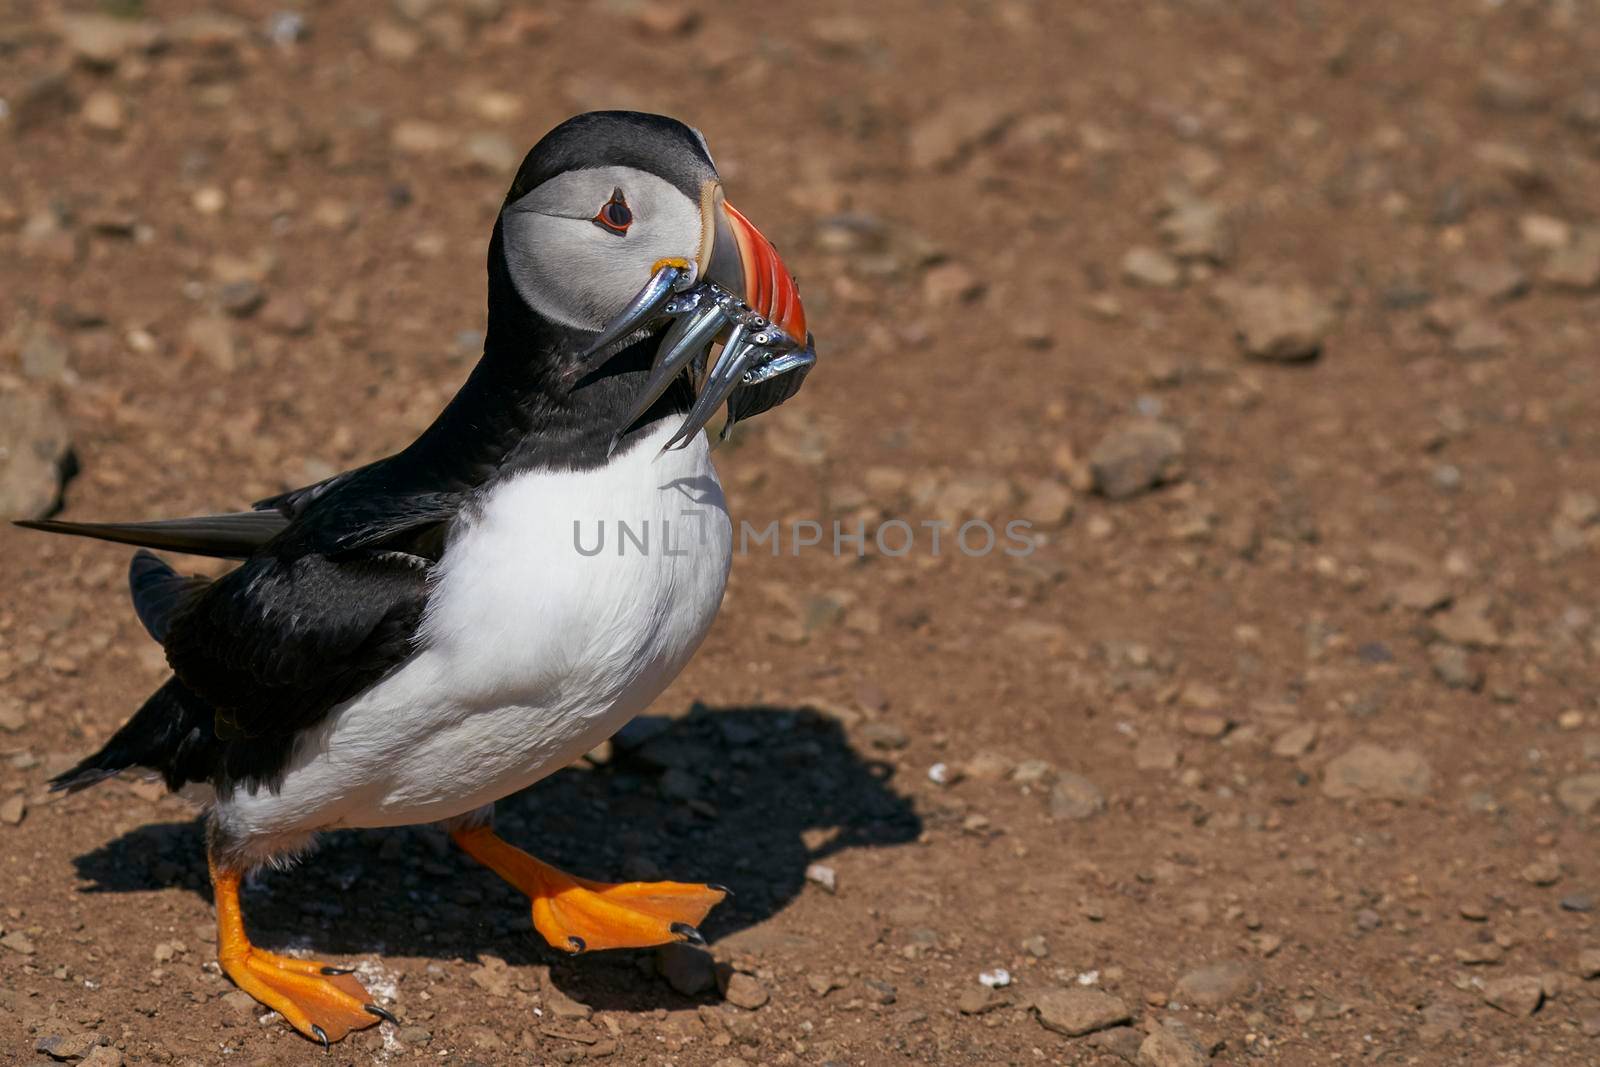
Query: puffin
<point x="411" y="640"/>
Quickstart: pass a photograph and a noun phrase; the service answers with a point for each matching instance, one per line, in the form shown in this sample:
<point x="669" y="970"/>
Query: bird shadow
<point x="747" y="797"/>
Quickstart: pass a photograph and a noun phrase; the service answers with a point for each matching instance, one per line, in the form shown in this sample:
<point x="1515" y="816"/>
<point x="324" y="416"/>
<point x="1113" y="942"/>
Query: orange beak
<point x="749" y="302"/>
<point x="744" y="262"/>
<point x="769" y="287"/>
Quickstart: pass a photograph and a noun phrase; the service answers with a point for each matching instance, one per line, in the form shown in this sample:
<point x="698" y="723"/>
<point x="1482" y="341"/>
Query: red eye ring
<point x="614" y="215"/>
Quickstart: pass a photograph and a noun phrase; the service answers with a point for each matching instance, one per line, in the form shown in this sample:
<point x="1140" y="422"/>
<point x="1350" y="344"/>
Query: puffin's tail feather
<point x="232" y="536"/>
<point x="158" y="592"/>
<point x="171" y="734"/>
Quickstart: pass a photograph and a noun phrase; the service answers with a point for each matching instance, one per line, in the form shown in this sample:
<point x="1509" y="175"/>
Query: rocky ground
<point x="1277" y="321"/>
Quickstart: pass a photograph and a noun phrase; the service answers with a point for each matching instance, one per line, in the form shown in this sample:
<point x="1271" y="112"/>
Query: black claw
<point x="321" y="1035"/>
<point x="719" y="887"/>
<point x="688" y="933"/>
<point x="577" y="944"/>
<point x="383" y="1013"/>
<point x="338" y="970"/>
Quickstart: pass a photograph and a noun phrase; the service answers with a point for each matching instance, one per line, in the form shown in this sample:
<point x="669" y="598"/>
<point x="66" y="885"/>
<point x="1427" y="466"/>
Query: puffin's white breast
<point x="558" y="612"/>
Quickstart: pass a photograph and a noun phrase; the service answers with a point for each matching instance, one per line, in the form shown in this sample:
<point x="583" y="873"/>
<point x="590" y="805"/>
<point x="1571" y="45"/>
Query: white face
<point x="575" y="269"/>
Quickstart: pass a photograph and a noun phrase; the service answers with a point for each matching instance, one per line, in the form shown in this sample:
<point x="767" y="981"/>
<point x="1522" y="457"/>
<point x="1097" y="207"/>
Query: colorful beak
<point x="742" y="294"/>
<point x="745" y="263"/>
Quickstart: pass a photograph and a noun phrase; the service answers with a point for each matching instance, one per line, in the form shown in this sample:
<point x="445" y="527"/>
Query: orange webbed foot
<point x="579" y="915"/>
<point x="320" y="1001"/>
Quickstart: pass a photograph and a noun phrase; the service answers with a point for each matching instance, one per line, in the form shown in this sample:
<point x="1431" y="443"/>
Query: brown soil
<point x="1322" y="705"/>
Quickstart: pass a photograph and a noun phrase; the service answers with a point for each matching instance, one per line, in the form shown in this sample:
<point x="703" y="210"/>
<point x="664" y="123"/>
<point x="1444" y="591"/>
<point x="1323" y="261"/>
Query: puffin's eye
<point x="614" y="215"/>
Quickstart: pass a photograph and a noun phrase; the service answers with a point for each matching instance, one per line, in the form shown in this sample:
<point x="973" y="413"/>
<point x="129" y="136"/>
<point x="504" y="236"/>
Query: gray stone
<point x="560" y="1006"/>
<point x="1120" y="1041"/>
<point x="35" y="454"/>
<point x="1076" y="1012"/>
<point x="492" y="977"/>
<point x="242" y="298"/>
<point x="823" y="875"/>
<point x="1048" y="503"/>
<point x="1422" y="594"/>
<point x="885" y="735"/>
<point x="1155" y="753"/>
<point x="1507" y="91"/>
<point x="678" y="784"/>
<point x="661" y="19"/>
<point x="978" y="1001"/>
<point x="69" y="1048"/>
<point x="1492" y="279"/>
<point x="394" y="42"/>
<point x="105" y="40"/>
<point x="1277" y="322"/>
<point x="44" y="355"/>
<point x="1152" y="268"/>
<point x="945" y="137"/>
<point x="1579" y="794"/>
<point x="103" y="112"/>
<point x="948" y="284"/>
<point x="19" y="942"/>
<point x="290" y="316"/>
<point x="879" y="992"/>
<point x="1546" y="871"/>
<point x="1136" y="457"/>
<point x="1075" y="797"/>
<point x="12" y="810"/>
<point x="1513" y="163"/>
<point x="1454" y="667"/>
<point x="1168" y="1048"/>
<point x="1580" y="508"/>
<point x="1468" y="623"/>
<point x="744" y="991"/>
<point x="1217" y="984"/>
<point x="1033" y="772"/>
<point x="1518" y="995"/>
<point x="12" y="717"/>
<point x="1577" y="264"/>
<point x="1196" y="229"/>
<point x="1479" y="337"/>
<point x="1369" y="771"/>
<point x="687" y="969"/>
<point x="1295" y="741"/>
<point x="1439" y="1021"/>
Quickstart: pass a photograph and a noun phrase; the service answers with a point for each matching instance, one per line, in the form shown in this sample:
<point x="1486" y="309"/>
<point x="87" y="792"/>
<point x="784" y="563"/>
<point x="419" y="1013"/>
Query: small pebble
<point x="12" y="810"/>
<point x="823" y="875"/>
<point x="998" y="978"/>
<point x="745" y="991"/>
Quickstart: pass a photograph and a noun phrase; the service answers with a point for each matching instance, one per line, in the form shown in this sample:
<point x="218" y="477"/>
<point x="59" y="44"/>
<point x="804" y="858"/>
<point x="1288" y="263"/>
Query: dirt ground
<point x="1278" y="321"/>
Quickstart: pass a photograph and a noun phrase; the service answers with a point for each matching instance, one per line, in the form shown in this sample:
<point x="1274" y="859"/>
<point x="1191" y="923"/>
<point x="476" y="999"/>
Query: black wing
<point x="258" y="655"/>
<point x="273" y="646"/>
<point x="159" y="592"/>
<point x="328" y="599"/>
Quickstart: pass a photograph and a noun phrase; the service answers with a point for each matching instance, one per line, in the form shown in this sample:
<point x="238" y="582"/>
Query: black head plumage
<point x="654" y="143"/>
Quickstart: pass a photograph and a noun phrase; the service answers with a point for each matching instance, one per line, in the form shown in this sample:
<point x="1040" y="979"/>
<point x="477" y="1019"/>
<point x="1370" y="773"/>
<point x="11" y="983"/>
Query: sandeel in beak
<point x="746" y="298"/>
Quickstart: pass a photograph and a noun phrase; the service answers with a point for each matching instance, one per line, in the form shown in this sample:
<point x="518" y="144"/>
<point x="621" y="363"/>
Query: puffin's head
<point x="616" y="226"/>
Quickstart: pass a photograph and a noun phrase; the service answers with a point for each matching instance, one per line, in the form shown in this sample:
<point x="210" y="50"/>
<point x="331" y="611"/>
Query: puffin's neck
<point x="531" y="402"/>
